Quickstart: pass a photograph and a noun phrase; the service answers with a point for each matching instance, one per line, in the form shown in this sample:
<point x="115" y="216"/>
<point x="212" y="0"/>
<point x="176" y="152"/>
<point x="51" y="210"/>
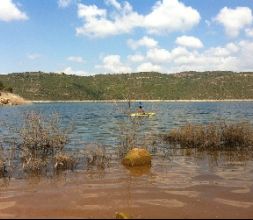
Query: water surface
<point x="183" y="185"/>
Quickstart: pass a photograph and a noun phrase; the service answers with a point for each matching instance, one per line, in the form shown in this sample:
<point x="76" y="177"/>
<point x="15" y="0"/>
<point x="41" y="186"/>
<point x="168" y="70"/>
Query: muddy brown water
<point x="179" y="188"/>
<point x="185" y="186"/>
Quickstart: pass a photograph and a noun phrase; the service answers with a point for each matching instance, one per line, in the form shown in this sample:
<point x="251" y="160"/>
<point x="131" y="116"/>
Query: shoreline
<point x="123" y="101"/>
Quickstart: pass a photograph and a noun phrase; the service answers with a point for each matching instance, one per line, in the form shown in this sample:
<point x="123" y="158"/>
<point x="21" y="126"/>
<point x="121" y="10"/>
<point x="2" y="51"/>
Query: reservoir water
<point x="99" y="122"/>
<point x="184" y="185"/>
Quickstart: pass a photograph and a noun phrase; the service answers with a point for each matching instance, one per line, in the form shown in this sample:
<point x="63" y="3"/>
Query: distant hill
<point x="150" y="85"/>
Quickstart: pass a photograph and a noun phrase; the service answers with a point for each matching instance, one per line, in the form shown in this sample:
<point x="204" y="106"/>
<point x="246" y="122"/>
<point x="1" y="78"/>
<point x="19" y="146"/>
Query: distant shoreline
<point x="113" y="101"/>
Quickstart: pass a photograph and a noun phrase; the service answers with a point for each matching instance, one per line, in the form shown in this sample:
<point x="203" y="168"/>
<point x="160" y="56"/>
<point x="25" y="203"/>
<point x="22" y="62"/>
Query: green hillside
<point x="187" y="85"/>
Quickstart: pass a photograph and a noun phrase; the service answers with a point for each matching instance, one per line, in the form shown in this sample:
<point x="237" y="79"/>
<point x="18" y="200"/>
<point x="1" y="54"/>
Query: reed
<point x="218" y="135"/>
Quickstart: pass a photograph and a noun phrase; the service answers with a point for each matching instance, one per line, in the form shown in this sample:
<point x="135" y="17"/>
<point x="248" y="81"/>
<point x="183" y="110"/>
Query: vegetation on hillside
<point x="6" y="89"/>
<point x="150" y="85"/>
<point x="1" y="86"/>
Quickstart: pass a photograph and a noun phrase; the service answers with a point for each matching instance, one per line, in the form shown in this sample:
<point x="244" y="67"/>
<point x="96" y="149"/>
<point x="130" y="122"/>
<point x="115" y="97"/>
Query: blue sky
<point x="87" y="37"/>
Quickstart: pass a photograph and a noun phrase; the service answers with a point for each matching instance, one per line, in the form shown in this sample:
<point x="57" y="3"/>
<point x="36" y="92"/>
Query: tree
<point x="1" y="86"/>
<point x="9" y="89"/>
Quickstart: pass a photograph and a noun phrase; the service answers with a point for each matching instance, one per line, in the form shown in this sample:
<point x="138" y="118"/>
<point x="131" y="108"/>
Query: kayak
<point x="139" y="114"/>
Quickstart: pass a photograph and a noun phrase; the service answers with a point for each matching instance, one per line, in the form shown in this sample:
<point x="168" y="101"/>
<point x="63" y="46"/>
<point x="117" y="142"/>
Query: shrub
<point x="9" y="89"/>
<point x="2" y="163"/>
<point x="64" y="161"/>
<point x="214" y="135"/>
<point x="41" y="141"/>
<point x="1" y="86"/>
<point x="2" y="168"/>
<point x="128" y="136"/>
<point x="34" y="165"/>
<point x="240" y="134"/>
<point x="96" y="155"/>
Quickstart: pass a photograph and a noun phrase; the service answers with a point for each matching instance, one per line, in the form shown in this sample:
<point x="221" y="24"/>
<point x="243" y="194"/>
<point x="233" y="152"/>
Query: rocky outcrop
<point x="137" y="157"/>
<point x="11" y="99"/>
<point x="4" y="101"/>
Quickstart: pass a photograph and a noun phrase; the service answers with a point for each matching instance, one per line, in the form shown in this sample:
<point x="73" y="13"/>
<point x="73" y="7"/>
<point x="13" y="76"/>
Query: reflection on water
<point x="181" y="183"/>
<point x="139" y="171"/>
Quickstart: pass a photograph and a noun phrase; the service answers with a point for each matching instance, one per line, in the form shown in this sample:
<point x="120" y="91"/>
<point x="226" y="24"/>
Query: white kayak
<point x="140" y="114"/>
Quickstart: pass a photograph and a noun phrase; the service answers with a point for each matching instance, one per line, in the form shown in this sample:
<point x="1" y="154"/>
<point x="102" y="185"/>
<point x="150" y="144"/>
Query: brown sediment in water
<point x="169" y="189"/>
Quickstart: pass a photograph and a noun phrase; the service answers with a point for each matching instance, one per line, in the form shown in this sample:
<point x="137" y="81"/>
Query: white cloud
<point x="113" y="64"/>
<point x="179" y="52"/>
<point x="76" y="59"/>
<point x="166" y="16"/>
<point x="245" y="55"/>
<point x="216" y="58"/>
<point x="249" y="32"/>
<point x="147" y="67"/>
<point x="114" y="3"/>
<point x="70" y="71"/>
<point x="233" y="48"/>
<point x="145" y="42"/>
<point x="171" y="15"/>
<point x="158" y="55"/>
<point x="189" y="41"/>
<point x="136" y="58"/>
<point x="64" y="3"/>
<point x="97" y="24"/>
<point x="90" y="12"/>
<point x="9" y="11"/>
<point x="33" y="56"/>
<point x="234" y="20"/>
<point x="234" y="56"/>
<point x="227" y="50"/>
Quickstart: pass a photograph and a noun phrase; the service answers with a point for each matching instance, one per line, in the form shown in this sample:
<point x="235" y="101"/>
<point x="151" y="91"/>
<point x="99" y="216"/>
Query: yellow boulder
<point x="137" y="157"/>
<point x="121" y="215"/>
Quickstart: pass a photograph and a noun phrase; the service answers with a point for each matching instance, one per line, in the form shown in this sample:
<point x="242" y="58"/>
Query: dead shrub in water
<point x="131" y="135"/>
<point x="6" y="161"/>
<point x="132" y="132"/>
<point x="34" y="165"/>
<point x="212" y="136"/>
<point x="64" y="161"/>
<point x="41" y="141"/>
<point x="96" y="155"/>
<point x="240" y="134"/>
<point x="2" y="168"/>
<point x="2" y="164"/>
<point x="128" y="138"/>
<point x="127" y="127"/>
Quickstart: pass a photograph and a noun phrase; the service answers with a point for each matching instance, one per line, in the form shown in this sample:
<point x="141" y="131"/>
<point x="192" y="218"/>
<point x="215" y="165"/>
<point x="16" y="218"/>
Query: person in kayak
<point x="141" y="110"/>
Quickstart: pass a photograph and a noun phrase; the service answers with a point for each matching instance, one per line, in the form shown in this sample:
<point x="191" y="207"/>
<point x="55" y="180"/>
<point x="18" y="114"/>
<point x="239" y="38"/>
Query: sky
<point x="87" y="37"/>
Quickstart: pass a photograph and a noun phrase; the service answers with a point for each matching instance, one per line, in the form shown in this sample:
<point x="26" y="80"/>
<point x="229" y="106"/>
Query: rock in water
<point x="137" y="157"/>
<point x="121" y="215"/>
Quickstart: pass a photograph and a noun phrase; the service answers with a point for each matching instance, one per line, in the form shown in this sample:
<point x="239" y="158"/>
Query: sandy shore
<point x="113" y="101"/>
